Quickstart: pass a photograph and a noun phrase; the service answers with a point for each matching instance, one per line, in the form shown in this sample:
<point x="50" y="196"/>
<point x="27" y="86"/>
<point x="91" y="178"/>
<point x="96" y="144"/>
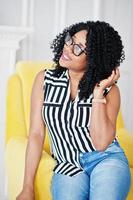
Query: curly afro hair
<point x="104" y="53"/>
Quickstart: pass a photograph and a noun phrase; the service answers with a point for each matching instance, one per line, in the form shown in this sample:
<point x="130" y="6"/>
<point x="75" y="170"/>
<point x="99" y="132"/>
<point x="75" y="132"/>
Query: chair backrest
<point x="120" y="121"/>
<point x="18" y="97"/>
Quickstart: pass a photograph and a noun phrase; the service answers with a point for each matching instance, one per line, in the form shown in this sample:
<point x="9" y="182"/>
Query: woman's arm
<point x="36" y="137"/>
<point x="104" y="116"/>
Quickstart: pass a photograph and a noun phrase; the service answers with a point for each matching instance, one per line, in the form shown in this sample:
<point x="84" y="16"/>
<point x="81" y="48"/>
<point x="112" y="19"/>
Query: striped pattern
<point x="68" y="123"/>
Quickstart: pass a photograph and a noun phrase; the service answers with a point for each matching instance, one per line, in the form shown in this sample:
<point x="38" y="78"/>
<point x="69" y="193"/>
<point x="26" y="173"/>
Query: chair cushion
<point x="130" y="194"/>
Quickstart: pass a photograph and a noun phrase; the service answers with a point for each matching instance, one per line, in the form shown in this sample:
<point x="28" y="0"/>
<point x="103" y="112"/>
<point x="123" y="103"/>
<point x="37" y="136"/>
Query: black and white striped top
<point x="68" y="123"/>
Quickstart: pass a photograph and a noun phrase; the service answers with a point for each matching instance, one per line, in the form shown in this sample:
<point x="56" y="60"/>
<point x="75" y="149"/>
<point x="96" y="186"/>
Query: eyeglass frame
<point x="72" y="43"/>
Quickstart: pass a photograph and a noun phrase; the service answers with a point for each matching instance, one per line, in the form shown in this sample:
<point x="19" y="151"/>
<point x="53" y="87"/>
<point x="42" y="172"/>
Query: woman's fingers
<point x="112" y="79"/>
<point x="117" y="75"/>
<point x="114" y="76"/>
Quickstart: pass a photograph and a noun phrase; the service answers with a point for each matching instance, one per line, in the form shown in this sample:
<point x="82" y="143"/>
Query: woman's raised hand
<point x="110" y="80"/>
<point x="99" y="88"/>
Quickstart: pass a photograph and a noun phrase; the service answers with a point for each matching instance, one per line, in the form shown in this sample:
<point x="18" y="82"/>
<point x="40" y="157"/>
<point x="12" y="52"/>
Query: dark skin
<point x="103" y="116"/>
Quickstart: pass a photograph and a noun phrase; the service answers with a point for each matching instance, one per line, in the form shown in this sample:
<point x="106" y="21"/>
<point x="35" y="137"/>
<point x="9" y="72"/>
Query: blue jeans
<point x="106" y="176"/>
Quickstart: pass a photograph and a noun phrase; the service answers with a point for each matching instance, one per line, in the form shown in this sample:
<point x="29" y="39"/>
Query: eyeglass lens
<point x="76" y="48"/>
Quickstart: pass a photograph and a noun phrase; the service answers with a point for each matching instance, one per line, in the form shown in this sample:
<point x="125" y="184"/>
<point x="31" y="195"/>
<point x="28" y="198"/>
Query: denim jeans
<point x="106" y="176"/>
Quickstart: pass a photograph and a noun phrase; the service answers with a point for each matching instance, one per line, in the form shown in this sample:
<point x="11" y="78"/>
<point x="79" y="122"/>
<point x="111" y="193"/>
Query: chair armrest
<point x="15" y="165"/>
<point x="125" y="139"/>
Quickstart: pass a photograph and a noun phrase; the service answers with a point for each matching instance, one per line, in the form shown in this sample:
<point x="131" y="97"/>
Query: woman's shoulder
<point x="44" y="72"/>
<point x="111" y="89"/>
<point x="114" y="88"/>
<point x="40" y="74"/>
<point x="113" y="94"/>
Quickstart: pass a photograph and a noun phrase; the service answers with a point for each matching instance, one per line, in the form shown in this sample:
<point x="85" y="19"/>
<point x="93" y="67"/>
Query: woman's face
<point x="68" y="59"/>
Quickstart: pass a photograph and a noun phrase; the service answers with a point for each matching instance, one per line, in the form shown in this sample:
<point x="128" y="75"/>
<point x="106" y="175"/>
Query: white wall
<point x="10" y="12"/>
<point x="48" y="17"/>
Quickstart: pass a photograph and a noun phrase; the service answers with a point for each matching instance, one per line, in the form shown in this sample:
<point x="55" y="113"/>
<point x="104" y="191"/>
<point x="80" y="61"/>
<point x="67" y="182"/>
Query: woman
<point x="80" y="105"/>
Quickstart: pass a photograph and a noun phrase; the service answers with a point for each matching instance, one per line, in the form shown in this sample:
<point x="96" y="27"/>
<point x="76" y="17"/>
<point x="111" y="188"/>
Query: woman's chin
<point x="63" y="63"/>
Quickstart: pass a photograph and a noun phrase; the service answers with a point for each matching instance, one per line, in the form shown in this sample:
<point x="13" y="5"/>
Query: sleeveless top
<point x="67" y="122"/>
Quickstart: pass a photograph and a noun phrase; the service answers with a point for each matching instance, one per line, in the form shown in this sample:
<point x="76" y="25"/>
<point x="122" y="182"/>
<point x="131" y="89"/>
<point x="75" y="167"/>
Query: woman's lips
<point x="65" y="57"/>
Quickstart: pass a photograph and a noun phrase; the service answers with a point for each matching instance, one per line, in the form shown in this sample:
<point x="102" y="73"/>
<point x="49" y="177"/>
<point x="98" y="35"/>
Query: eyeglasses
<point x="77" y="49"/>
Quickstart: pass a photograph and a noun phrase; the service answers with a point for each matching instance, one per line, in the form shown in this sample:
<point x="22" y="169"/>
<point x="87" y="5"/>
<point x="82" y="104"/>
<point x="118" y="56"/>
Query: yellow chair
<point x="17" y="126"/>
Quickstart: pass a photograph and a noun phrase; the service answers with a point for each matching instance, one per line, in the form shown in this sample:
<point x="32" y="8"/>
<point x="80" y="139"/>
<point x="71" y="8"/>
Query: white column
<point x="25" y="9"/>
<point x="10" y="38"/>
<point x="27" y="19"/>
<point x="96" y="9"/>
<point x="60" y="16"/>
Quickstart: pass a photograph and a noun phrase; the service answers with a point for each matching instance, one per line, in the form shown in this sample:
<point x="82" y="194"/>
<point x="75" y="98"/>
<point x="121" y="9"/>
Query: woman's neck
<point x="75" y="76"/>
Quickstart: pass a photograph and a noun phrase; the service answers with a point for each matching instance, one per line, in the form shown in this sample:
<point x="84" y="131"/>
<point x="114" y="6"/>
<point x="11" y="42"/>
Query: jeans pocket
<point x="121" y="156"/>
<point x="90" y="159"/>
<point x="116" y="151"/>
<point x="114" y="148"/>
